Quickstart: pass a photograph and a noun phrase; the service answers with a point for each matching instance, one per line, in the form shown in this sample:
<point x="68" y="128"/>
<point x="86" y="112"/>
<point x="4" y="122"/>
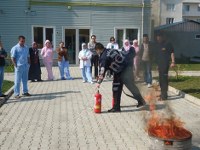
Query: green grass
<point x="9" y="68"/>
<point x="184" y="67"/>
<point x="189" y="85"/>
<point x="7" y="85"/>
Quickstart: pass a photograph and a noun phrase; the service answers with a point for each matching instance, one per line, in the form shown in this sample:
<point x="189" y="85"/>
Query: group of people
<point x="124" y="64"/>
<point x="27" y="64"/>
<point x="127" y="60"/>
<point x="160" y="52"/>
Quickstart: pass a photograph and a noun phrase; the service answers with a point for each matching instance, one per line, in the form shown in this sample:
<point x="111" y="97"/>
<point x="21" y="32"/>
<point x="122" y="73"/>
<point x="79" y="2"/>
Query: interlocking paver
<point x="59" y="116"/>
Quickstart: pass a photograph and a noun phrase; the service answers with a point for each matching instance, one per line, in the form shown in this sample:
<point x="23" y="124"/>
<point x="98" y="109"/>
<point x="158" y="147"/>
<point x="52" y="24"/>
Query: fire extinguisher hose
<point x="127" y="94"/>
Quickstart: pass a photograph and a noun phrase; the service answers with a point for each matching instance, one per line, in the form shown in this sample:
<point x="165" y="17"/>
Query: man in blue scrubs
<point x="20" y="59"/>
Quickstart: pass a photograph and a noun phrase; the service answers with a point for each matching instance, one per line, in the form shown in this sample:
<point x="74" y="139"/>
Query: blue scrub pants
<point x="1" y="79"/>
<point x="21" y="74"/>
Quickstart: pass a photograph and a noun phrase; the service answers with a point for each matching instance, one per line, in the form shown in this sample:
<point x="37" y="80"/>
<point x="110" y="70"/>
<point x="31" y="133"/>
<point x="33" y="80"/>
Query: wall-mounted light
<point x="30" y="12"/>
<point x="69" y="7"/>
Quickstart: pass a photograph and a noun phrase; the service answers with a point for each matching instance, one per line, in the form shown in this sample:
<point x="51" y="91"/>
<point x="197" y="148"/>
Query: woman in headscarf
<point x="34" y="70"/>
<point x="47" y="55"/>
<point x="85" y="56"/>
<point x="136" y="59"/>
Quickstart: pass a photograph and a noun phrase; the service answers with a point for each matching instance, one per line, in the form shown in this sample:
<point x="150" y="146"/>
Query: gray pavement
<point x="59" y="116"/>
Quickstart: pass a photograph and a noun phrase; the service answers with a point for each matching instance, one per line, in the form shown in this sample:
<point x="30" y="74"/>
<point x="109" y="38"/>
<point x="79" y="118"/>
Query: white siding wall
<point x="101" y="20"/>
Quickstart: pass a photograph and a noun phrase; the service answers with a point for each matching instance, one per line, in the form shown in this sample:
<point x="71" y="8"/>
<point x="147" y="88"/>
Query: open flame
<point x="166" y="128"/>
<point x="164" y="125"/>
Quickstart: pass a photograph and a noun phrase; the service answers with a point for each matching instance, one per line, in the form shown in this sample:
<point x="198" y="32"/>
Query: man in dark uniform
<point x="164" y="51"/>
<point x="121" y="63"/>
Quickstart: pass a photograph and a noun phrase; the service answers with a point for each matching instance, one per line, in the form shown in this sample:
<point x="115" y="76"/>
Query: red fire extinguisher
<point x="113" y="102"/>
<point x="97" y="105"/>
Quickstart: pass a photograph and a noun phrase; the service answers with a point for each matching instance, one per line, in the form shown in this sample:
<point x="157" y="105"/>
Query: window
<point x="197" y="36"/>
<point x="198" y="8"/>
<point x="169" y="20"/>
<point x="170" y="7"/>
<point x="125" y="33"/>
<point x="186" y="7"/>
<point x="198" y="20"/>
<point x="40" y="34"/>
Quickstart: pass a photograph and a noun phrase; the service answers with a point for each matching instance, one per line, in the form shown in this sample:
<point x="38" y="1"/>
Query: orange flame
<point x="161" y="126"/>
<point x="166" y="128"/>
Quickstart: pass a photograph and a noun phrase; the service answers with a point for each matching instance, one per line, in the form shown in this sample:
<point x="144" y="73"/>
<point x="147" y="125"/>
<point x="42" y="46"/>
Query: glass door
<point x="70" y="43"/>
<point x="73" y="41"/>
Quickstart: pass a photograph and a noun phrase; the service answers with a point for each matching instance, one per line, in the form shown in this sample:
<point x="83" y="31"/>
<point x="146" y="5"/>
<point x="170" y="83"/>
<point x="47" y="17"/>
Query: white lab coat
<point x="85" y="53"/>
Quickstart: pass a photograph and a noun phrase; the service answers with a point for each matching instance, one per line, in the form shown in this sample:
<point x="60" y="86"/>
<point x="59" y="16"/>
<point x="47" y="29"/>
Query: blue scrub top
<point x="20" y="54"/>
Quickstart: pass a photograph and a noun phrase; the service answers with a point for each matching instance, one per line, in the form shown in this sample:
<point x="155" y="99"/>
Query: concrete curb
<point x="9" y="93"/>
<point x="188" y="97"/>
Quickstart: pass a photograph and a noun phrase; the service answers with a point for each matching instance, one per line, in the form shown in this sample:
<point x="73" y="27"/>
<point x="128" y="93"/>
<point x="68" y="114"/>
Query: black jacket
<point x="2" y="59"/>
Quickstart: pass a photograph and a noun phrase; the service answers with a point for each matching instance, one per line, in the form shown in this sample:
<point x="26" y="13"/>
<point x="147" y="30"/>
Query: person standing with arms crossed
<point x="20" y="59"/>
<point x="95" y="57"/>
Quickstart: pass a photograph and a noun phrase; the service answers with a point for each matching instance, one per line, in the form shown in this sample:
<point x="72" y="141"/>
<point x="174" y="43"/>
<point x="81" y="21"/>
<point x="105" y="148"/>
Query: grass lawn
<point x="184" y="67"/>
<point x="9" y="68"/>
<point x="189" y="85"/>
<point x="7" y="85"/>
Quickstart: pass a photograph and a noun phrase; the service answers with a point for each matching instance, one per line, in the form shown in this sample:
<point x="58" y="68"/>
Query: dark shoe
<point x="26" y="94"/>
<point x="39" y="80"/>
<point x="63" y="78"/>
<point x="114" y="110"/>
<point x="3" y="95"/>
<point x="164" y="97"/>
<point x="70" y="78"/>
<point x="141" y="104"/>
<point x="32" y="80"/>
<point x="17" y="97"/>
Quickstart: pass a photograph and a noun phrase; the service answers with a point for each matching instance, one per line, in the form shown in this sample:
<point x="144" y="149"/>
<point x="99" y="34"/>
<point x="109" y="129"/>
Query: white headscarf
<point x="126" y="47"/>
<point x="84" y="44"/>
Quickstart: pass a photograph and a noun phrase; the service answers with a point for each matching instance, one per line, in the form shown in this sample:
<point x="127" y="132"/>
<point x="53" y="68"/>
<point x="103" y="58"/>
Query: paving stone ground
<point x="59" y="116"/>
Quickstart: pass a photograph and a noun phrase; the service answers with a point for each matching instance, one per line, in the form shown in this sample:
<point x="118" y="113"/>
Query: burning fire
<point x="165" y="126"/>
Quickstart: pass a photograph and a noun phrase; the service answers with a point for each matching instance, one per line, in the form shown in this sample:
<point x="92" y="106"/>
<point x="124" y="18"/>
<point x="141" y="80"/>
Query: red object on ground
<point x="97" y="105"/>
<point x="113" y="102"/>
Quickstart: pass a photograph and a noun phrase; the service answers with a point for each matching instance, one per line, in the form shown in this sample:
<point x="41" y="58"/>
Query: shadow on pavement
<point x="175" y="97"/>
<point x="45" y="96"/>
<point x="195" y="148"/>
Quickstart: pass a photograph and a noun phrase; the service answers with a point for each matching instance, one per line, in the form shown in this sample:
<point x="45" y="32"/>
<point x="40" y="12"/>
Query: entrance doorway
<point x="73" y="40"/>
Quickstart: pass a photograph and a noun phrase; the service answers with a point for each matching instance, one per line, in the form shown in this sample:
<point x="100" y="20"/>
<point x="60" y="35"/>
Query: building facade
<point x="73" y="21"/>
<point x="171" y="11"/>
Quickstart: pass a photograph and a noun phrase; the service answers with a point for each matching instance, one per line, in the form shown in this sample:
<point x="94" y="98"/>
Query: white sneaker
<point x="91" y="82"/>
<point x="149" y="85"/>
<point x="84" y="81"/>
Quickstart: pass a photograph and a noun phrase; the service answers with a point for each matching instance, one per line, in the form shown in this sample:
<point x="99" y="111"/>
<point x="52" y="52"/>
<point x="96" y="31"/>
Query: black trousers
<point x="95" y="63"/>
<point x="125" y="78"/>
<point x="163" y="80"/>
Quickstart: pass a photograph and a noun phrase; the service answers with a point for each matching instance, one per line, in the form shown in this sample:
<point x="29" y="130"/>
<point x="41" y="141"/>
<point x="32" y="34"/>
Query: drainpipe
<point x="142" y="29"/>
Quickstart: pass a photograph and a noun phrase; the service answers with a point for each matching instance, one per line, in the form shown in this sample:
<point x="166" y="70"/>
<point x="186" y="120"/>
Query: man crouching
<point x="121" y="63"/>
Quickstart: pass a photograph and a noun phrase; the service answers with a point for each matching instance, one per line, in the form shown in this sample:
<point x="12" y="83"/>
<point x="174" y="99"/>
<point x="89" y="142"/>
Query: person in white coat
<point x="85" y="56"/>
